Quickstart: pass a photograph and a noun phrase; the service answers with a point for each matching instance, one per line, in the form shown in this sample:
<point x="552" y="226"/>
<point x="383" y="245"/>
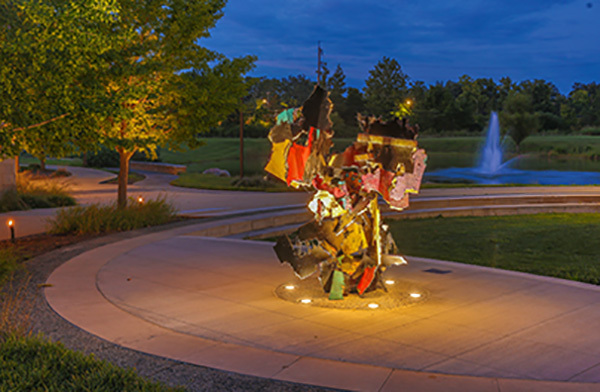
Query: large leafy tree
<point x="50" y="52"/>
<point x="163" y="87"/>
<point x="385" y="88"/>
<point x="582" y="108"/>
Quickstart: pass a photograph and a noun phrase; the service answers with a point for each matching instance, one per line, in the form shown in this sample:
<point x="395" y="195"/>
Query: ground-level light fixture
<point x="290" y="287"/>
<point x="415" y="295"/>
<point x="306" y="300"/>
<point x="11" y="225"/>
<point x="390" y="282"/>
<point x="373" y="306"/>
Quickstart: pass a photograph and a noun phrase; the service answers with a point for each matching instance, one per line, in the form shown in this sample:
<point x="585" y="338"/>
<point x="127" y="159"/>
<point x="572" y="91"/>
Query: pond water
<point x="529" y="169"/>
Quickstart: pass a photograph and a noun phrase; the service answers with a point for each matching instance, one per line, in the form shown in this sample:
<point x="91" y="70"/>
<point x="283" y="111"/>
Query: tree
<point x="336" y="85"/>
<point x="431" y="115"/>
<point x="505" y="87"/>
<point x="385" y="87"/>
<point x="582" y="107"/>
<point x="50" y="53"/>
<point x="323" y="76"/>
<point x="293" y="90"/>
<point x="416" y="94"/>
<point x="518" y="118"/>
<point x="545" y="96"/>
<point x="353" y="104"/>
<point x="162" y="87"/>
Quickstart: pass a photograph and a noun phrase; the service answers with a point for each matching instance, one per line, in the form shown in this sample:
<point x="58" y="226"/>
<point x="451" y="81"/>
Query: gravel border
<point x="45" y="321"/>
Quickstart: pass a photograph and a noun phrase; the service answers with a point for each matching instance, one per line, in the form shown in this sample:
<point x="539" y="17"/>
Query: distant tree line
<point x="452" y="107"/>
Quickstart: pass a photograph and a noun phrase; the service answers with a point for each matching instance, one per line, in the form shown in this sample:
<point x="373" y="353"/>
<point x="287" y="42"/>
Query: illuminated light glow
<point x="415" y="295"/>
<point x="306" y="300"/>
<point x="140" y="199"/>
<point x="390" y="282"/>
<point x="408" y="102"/>
<point x="373" y="306"/>
<point x="10" y="223"/>
<point x="290" y="287"/>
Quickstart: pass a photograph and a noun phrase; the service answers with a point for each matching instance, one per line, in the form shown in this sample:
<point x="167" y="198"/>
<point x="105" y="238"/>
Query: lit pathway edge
<point x="74" y="295"/>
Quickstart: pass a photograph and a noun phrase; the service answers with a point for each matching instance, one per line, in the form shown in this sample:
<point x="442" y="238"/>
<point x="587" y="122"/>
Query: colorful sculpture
<point x="346" y="244"/>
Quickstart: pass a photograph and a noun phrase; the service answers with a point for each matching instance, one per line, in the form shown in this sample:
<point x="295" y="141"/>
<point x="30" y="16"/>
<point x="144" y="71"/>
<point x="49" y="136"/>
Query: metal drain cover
<point x="437" y="271"/>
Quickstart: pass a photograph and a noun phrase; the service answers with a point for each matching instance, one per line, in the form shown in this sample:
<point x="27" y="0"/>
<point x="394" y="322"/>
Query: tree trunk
<point x="16" y="167"/>
<point x="124" y="157"/>
<point x="42" y="164"/>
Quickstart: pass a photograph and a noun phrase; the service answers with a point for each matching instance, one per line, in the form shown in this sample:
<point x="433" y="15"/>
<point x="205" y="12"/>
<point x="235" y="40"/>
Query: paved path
<point x="86" y="188"/>
<point x="210" y="301"/>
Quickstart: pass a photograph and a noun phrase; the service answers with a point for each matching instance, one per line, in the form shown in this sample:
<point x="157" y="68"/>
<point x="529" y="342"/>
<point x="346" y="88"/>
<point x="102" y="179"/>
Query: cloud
<point x="433" y="40"/>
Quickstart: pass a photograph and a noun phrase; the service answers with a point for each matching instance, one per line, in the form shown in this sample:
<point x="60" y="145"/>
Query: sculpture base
<point x="310" y="293"/>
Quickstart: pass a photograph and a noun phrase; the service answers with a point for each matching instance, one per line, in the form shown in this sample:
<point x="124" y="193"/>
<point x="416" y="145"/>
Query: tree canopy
<point x="50" y="53"/>
<point x="385" y="87"/>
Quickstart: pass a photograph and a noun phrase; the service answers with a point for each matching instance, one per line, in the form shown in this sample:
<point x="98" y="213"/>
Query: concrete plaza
<point x="210" y="301"/>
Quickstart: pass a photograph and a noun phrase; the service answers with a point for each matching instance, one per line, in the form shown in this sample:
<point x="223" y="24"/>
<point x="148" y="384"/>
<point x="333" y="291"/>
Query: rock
<point x="215" y="171"/>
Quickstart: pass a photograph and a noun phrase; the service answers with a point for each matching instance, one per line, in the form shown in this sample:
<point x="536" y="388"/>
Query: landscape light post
<point x="11" y="226"/>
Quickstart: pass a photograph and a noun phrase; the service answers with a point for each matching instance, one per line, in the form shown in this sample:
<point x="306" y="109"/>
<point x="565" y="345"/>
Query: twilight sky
<point x="433" y="40"/>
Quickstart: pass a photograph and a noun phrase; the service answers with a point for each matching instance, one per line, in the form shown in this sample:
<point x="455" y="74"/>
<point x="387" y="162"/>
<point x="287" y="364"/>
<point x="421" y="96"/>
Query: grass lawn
<point x="36" y="364"/>
<point x="559" y="245"/>
<point x="563" y="152"/>
<point x="26" y="160"/>
<point x="132" y="178"/>
<point x="207" y="181"/>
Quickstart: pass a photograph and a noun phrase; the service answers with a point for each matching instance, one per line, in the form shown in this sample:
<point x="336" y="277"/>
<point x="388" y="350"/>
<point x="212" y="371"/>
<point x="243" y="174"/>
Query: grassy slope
<point x="560" y="245"/>
<point x="443" y="152"/>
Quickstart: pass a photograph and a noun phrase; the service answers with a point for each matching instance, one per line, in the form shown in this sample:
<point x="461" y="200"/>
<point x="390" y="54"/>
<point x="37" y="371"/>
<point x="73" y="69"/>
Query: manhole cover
<point x="437" y="271"/>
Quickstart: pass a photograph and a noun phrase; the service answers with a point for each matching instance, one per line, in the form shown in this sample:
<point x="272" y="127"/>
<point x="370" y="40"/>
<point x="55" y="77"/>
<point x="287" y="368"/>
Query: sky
<point x="433" y="40"/>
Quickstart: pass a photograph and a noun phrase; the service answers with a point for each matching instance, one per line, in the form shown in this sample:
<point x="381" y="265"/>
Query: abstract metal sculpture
<point x="347" y="244"/>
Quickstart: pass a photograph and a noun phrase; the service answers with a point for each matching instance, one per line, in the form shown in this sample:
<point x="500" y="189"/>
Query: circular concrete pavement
<point x="211" y="301"/>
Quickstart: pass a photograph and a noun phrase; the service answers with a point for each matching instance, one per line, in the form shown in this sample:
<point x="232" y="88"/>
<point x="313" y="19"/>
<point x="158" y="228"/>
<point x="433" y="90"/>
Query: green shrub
<point x="35" y="364"/>
<point x="9" y="262"/>
<point x="96" y="219"/>
<point x="259" y="182"/>
<point x="104" y="157"/>
<point x="11" y="201"/>
<point x="42" y="193"/>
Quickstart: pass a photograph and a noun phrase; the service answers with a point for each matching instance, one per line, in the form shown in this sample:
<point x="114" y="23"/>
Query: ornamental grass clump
<point x="32" y="193"/>
<point x="97" y="219"/>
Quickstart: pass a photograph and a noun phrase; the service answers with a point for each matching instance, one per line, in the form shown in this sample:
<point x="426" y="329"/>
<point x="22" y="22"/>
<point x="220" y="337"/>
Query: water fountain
<point x="492" y="170"/>
<point x="491" y="155"/>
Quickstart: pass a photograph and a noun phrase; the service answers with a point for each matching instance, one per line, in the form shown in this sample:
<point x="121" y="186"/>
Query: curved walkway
<point x="183" y="295"/>
<point x="210" y="301"/>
